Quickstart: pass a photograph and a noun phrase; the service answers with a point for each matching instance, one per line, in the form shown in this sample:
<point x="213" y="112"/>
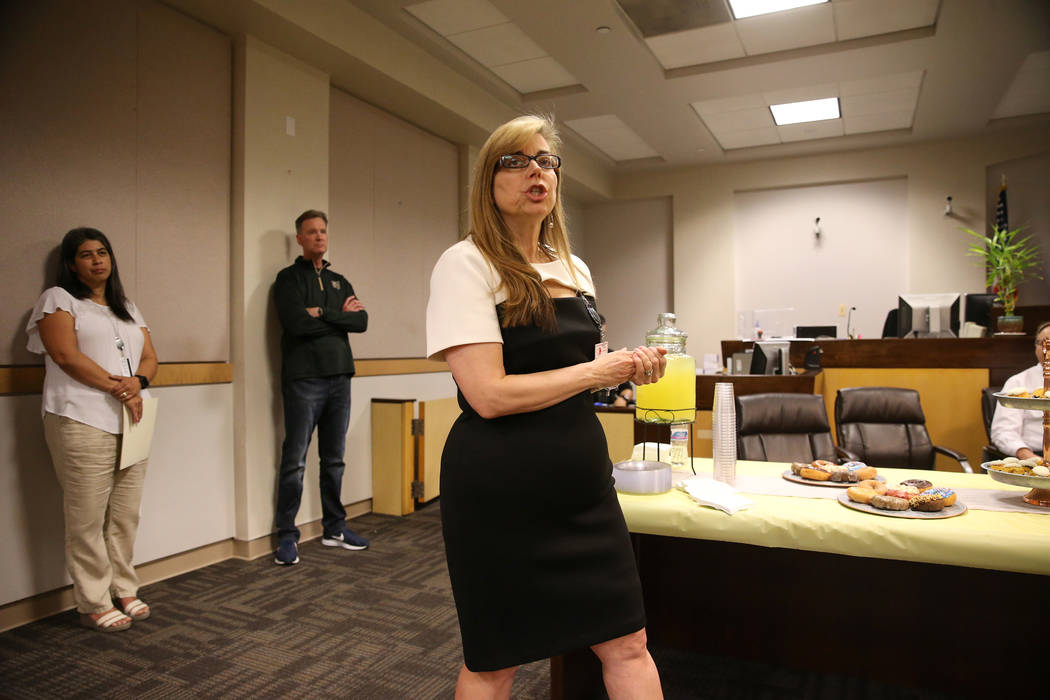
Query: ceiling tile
<point x="612" y="136"/>
<point x="695" y="46"/>
<point x="881" y="83"/>
<point x="456" y="16"/>
<point x="857" y="18"/>
<point x="746" y="139"/>
<point x="791" y="29"/>
<point x="741" y="120"/>
<point x="811" y="130"/>
<point x="883" y="121"/>
<point x="654" y="17"/>
<point x="880" y="102"/>
<point x="535" y="74"/>
<point x="801" y="94"/>
<point x="1028" y="92"/>
<point x="498" y="45"/>
<point x="728" y="104"/>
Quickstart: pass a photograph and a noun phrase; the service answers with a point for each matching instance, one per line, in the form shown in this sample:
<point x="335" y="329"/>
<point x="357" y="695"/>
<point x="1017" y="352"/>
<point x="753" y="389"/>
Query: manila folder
<point x="138" y="437"/>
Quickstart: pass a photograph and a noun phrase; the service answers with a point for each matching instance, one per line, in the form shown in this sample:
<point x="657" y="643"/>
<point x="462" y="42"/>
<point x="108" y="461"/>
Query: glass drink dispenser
<point x="673" y="398"/>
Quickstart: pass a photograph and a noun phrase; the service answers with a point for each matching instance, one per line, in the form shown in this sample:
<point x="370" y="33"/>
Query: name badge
<point x="600" y="349"/>
<point x="335" y="284"/>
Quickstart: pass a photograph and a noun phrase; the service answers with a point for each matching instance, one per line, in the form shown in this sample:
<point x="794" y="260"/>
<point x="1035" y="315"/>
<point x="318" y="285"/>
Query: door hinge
<point x="417" y="489"/>
<point x="417" y="426"/>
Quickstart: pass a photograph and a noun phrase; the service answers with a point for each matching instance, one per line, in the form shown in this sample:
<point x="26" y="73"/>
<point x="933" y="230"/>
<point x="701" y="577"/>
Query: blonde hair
<point x="528" y="301"/>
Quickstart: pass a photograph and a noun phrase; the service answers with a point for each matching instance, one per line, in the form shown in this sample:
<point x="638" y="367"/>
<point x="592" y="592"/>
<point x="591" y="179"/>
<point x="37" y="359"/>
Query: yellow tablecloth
<point x="1017" y="542"/>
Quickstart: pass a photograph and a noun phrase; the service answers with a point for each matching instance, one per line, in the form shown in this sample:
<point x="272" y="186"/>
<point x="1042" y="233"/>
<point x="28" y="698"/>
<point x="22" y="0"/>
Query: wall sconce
<point x="816" y="229"/>
<point x="948" y="206"/>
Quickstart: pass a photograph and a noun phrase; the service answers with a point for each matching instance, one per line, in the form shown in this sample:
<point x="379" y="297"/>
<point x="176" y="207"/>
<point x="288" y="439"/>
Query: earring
<point x="550" y="222"/>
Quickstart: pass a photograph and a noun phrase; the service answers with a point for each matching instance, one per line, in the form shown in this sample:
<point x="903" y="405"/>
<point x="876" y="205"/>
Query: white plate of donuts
<point x="824" y="473"/>
<point x="913" y="498"/>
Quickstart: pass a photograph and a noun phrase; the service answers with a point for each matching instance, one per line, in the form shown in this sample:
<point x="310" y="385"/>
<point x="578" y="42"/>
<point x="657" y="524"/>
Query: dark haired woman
<point x="538" y="551"/>
<point x="99" y="358"/>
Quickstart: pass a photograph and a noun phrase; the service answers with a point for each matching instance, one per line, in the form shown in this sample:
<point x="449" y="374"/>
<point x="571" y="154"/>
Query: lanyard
<point x="593" y="313"/>
<point x="125" y="361"/>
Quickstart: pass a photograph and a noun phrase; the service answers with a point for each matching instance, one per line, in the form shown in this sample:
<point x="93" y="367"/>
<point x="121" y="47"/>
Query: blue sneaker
<point x="287" y="553"/>
<point x="347" y="539"/>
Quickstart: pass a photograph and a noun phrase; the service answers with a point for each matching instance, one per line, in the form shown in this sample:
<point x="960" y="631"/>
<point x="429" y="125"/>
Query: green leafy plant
<point x="1008" y="261"/>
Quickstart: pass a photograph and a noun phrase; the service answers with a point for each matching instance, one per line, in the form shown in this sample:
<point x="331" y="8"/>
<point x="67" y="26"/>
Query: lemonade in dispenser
<point x="673" y="398"/>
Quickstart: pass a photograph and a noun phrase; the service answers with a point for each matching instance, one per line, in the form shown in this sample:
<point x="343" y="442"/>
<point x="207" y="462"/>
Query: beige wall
<point x="1028" y="206"/>
<point x="704" y="222"/>
<point x="629" y="250"/>
<point x="117" y="117"/>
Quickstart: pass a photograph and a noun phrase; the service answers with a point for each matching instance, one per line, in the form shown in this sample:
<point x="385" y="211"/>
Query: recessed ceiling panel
<point x="497" y="45"/>
<point x="613" y="137"/>
<point x="793" y="29"/>
<point x="881" y="121"/>
<point x="811" y="130"/>
<point x="535" y="74"/>
<point x="655" y="17"/>
<point x="881" y="83"/>
<point x="880" y="102"/>
<point x="748" y="139"/>
<point x="1029" y="91"/>
<point x="801" y="94"/>
<point x="740" y="120"/>
<point x="728" y="104"/>
<point x="857" y="18"/>
<point x="695" y="46"/>
<point x="456" y="16"/>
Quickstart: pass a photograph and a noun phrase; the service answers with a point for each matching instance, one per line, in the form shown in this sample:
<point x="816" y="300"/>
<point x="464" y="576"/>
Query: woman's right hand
<point x="134" y="405"/>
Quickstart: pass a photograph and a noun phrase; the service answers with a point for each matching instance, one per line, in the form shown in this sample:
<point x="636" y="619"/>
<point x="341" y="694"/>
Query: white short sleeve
<point x="53" y="299"/>
<point x="463" y="299"/>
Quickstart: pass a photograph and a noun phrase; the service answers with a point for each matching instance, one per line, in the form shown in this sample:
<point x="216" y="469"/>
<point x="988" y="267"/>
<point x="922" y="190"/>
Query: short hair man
<point x="317" y="308"/>
<point x="1015" y="431"/>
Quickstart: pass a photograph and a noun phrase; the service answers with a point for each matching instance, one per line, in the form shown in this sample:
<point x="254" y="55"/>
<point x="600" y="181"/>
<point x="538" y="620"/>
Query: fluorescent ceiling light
<point x="808" y="111"/>
<point x="750" y="8"/>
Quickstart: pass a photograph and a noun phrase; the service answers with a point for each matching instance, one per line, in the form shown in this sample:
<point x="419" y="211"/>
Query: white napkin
<point x="716" y="494"/>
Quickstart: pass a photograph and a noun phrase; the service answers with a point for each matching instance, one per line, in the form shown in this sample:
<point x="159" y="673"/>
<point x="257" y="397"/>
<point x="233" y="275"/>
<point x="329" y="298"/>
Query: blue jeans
<point x="324" y="403"/>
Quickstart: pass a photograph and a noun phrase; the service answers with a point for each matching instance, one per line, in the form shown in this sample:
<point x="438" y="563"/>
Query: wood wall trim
<point x="30" y="379"/>
<point x="409" y="365"/>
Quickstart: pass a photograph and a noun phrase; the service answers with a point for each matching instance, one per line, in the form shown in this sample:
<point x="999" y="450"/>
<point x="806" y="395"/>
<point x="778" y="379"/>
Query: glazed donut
<point x="815" y="473"/>
<point x="888" y="502"/>
<point x="823" y="464"/>
<point x="860" y="494"/>
<point x="928" y="501"/>
<point x="946" y="493"/>
<point x="876" y="486"/>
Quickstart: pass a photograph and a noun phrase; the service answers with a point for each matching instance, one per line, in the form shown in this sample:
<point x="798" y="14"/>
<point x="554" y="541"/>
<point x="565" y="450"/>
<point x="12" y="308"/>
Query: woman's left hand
<point x="649" y="364"/>
<point x="126" y="388"/>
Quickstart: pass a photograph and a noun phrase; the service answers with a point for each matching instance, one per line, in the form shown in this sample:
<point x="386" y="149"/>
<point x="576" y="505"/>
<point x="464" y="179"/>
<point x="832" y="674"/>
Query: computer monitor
<point x="979" y="309"/>
<point x="770" y="357"/>
<point x="816" y="331"/>
<point x="928" y="315"/>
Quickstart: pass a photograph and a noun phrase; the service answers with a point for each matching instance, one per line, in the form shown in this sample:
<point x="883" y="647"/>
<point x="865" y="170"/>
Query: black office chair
<point x="988" y="404"/>
<point x="886" y="427"/>
<point x="889" y="328"/>
<point x="785" y="428"/>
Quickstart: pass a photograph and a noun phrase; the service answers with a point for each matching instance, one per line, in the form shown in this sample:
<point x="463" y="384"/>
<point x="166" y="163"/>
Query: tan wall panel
<point x="394" y="210"/>
<point x="619" y="434"/>
<point x="183" y="185"/>
<point x="951" y="400"/>
<point x="67" y="76"/>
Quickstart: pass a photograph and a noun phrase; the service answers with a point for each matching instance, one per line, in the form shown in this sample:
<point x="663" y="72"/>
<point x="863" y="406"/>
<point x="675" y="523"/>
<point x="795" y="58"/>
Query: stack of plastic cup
<point x="724" y="433"/>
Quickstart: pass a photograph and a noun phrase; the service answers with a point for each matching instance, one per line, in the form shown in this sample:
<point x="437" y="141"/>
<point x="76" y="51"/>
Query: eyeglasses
<point x="517" y="161"/>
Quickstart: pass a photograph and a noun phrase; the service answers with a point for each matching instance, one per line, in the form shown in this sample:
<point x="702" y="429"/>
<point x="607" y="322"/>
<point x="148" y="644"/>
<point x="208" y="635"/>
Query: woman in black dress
<point x="538" y="551"/>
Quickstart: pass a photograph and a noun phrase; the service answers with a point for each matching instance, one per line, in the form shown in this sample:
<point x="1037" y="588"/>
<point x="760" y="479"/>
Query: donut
<point x="840" y="474"/>
<point x="859" y="471"/>
<point x="1040" y="471"/>
<point x="796" y="468"/>
<point x="860" y="494"/>
<point x="928" y="501"/>
<point x="920" y="484"/>
<point x="823" y="464"/>
<point x="811" y="472"/>
<point x="876" y="486"/>
<point x="905" y="492"/>
<point x="888" y="502"/>
<point x="946" y="493"/>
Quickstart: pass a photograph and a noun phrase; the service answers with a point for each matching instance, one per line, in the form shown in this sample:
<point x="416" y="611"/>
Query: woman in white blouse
<point x="537" y="549"/>
<point x="99" y="359"/>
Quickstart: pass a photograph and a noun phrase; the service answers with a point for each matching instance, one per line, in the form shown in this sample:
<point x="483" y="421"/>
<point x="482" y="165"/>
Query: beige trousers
<point x="101" y="506"/>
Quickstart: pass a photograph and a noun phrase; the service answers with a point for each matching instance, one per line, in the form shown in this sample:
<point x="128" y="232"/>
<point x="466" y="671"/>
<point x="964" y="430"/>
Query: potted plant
<point x="1008" y="261"/>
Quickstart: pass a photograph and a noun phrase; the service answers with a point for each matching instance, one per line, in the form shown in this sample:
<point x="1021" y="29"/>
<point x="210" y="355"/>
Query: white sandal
<point x="107" y="622"/>
<point x="132" y="610"/>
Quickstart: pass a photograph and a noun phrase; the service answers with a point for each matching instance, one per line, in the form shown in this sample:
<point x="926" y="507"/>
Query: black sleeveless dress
<point x="538" y="551"/>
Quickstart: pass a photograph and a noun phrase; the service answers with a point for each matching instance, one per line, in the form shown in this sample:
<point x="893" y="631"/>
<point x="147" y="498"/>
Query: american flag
<point x="1002" y="220"/>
